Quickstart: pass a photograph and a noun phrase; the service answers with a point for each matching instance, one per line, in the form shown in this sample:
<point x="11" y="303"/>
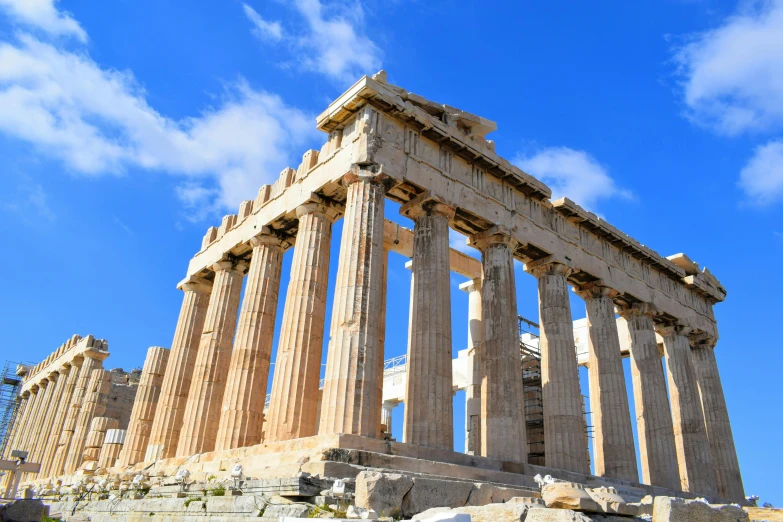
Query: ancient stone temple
<point x="201" y="404"/>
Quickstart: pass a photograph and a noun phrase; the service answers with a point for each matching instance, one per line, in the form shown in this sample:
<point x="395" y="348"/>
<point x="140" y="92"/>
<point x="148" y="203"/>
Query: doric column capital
<point x="370" y="173"/>
<point x="594" y="290"/>
<point x="53" y="376"/>
<point x="25" y="394"/>
<point x="549" y="265"/>
<point x="702" y="340"/>
<point x="630" y="310"/>
<point x="474" y="285"/>
<point x="426" y="204"/>
<point x="195" y="284"/>
<point x="97" y="355"/>
<point x="267" y="237"/>
<point x="317" y="204"/>
<point x="493" y="236"/>
<point x="64" y="368"/>
<point x="237" y="265"/>
<point x="665" y="330"/>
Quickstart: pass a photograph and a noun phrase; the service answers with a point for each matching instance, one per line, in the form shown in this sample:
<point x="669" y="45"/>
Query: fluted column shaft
<point x="382" y="339"/>
<point x="69" y="375"/>
<point x="294" y="405"/>
<point x="82" y="367"/>
<point x="690" y="435"/>
<point x="503" y="430"/>
<point x="57" y="382"/>
<point x="716" y="419"/>
<point x="167" y="425"/>
<point x="205" y="399"/>
<point x="565" y="443"/>
<point x="243" y="403"/>
<point x="614" y="453"/>
<point x="350" y="402"/>
<point x="31" y="419"/>
<point x="653" y="415"/>
<point x="144" y="406"/>
<point x="473" y="388"/>
<point x="95" y="398"/>
<point x="429" y="419"/>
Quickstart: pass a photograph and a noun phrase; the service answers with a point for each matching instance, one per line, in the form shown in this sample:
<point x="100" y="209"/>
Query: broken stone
<point x="356" y="512"/>
<point x="610" y="501"/>
<point x="428" y="493"/>
<point x="382" y="492"/>
<point x="670" y="509"/>
<point x="555" y="515"/>
<point x="568" y="495"/>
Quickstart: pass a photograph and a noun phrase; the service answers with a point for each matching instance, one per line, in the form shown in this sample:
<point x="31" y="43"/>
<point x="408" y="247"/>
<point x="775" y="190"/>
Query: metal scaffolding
<point x="9" y="401"/>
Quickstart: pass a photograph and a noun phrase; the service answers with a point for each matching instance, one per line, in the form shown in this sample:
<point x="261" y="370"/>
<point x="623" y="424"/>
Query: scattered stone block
<point x="428" y="493"/>
<point x="555" y="515"/>
<point x="23" y="511"/>
<point x="382" y="492"/>
<point x="355" y="512"/>
<point x="610" y="501"/>
<point x="568" y="495"/>
<point x="670" y="509"/>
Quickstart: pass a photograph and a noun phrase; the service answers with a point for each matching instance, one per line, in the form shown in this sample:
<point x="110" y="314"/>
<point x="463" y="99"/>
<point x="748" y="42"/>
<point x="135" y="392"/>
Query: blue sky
<point x="128" y="127"/>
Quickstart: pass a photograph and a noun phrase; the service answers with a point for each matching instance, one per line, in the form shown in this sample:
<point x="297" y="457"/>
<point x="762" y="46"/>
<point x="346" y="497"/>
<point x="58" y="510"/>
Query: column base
<point x="347" y="455"/>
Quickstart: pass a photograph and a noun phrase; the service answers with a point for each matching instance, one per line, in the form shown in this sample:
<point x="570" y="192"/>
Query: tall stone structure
<point x="435" y="161"/>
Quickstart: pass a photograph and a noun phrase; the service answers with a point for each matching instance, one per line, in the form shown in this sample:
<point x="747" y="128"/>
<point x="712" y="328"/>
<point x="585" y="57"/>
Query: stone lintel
<point x="83" y="348"/>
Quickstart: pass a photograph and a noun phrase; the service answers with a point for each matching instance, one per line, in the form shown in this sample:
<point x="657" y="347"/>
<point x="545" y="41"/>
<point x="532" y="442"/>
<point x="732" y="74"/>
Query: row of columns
<point x="55" y="413"/>
<point x="210" y="399"/>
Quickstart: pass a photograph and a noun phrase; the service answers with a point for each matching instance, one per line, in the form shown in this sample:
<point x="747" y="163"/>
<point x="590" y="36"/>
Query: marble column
<point x="95" y="398"/>
<point x="69" y="375"/>
<point x="31" y="419"/>
<point x="429" y="416"/>
<point x="503" y="428"/>
<point x="80" y="371"/>
<point x="350" y="402"/>
<point x="205" y="399"/>
<point x="167" y="425"/>
<point x="387" y="408"/>
<point x="294" y="404"/>
<point x="716" y="419"/>
<point x="697" y="474"/>
<point x="54" y="391"/>
<point x="653" y="415"/>
<point x="144" y="406"/>
<point x="112" y="448"/>
<point x="46" y="386"/>
<point x="382" y="341"/>
<point x="95" y="437"/>
<point x="243" y="402"/>
<point x="565" y="442"/>
<point x="614" y="454"/>
<point x="473" y="388"/>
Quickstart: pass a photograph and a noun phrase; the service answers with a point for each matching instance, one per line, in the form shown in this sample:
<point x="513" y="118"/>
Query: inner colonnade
<point x="384" y="142"/>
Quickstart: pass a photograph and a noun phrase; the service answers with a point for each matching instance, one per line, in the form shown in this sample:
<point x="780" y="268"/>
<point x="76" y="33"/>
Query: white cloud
<point x="574" y="174"/>
<point x="262" y="29"/>
<point x="28" y="197"/>
<point x="43" y="15"/>
<point x="762" y="177"/>
<point x="733" y="74"/>
<point x="98" y="121"/>
<point x="331" y="42"/>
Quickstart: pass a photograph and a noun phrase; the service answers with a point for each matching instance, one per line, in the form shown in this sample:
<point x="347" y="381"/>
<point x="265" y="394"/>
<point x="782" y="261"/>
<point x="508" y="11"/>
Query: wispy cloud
<point x="762" y="178"/>
<point x="98" y="121"/>
<point x="263" y="30"/>
<point x="26" y="199"/>
<point x="43" y="15"/>
<point x="331" y="41"/>
<point x="120" y="223"/>
<point x="732" y="75"/>
<point x="574" y="174"/>
<point x="459" y="242"/>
